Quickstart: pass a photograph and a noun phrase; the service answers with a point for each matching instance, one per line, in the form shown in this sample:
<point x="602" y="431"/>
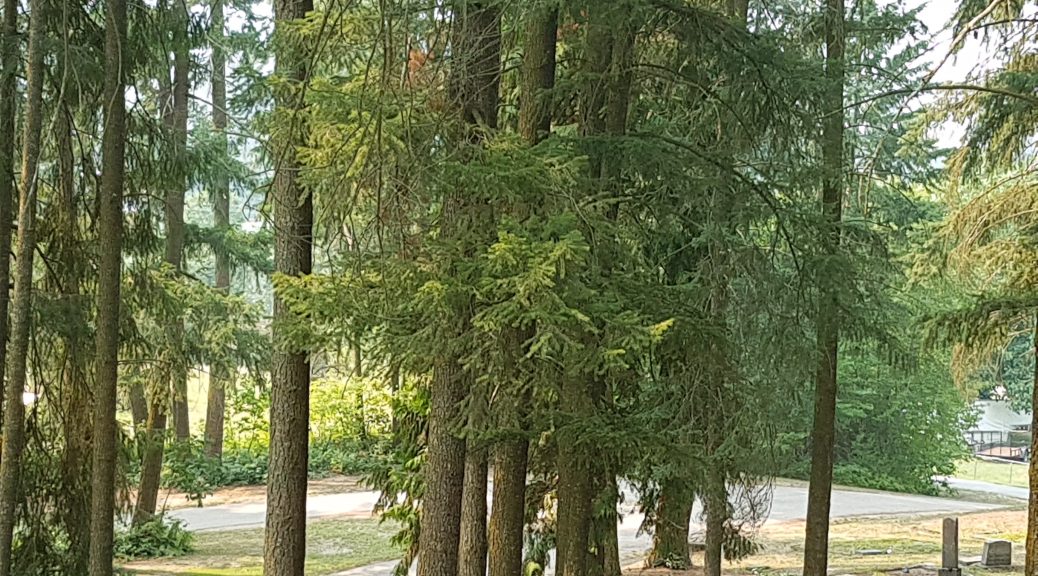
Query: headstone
<point x="997" y="553"/>
<point x="950" y="548"/>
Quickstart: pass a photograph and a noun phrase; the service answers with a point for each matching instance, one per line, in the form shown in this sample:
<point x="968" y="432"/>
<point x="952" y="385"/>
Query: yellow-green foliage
<point x="349" y="408"/>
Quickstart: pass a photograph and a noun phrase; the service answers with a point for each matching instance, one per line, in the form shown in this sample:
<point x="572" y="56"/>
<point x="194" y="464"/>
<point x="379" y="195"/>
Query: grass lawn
<point x="331" y="545"/>
<point x="911" y="546"/>
<point x="994" y="472"/>
<point x="911" y="541"/>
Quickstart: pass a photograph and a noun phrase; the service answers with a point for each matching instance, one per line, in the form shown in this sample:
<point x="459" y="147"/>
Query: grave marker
<point x="950" y="548"/>
<point x="997" y="553"/>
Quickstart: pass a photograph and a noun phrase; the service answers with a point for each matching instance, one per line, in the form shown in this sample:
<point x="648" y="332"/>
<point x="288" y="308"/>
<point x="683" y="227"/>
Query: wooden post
<point x="950" y="548"/>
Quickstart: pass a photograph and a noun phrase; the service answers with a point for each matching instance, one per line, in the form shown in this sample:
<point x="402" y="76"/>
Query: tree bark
<point x="610" y="544"/>
<point x="175" y="214"/>
<point x="510" y="455"/>
<point x="474" y="85"/>
<point x="816" y="542"/>
<point x="138" y="406"/>
<point x="738" y="9"/>
<point x="573" y="516"/>
<point x="673" y="514"/>
<point x="576" y="490"/>
<point x="538" y="73"/>
<point x="110" y="231"/>
<point x="716" y="507"/>
<point x="472" y="552"/>
<point x="75" y="396"/>
<point x="155" y="434"/>
<point x="151" y="465"/>
<point x="1031" y="554"/>
<point x="21" y="322"/>
<point x="505" y="538"/>
<point x="285" y="536"/>
<point x="8" y="103"/>
<point x="219" y="373"/>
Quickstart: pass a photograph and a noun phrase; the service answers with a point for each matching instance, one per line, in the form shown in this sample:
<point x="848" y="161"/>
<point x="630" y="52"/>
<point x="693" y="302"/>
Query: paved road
<point x="253" y="514"/>
<point x="988" y="487"/>
<point x="788" y="503"/>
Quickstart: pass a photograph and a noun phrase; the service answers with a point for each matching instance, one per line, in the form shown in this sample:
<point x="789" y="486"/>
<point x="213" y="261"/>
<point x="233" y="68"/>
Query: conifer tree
<point x="285" y="536"/>
<point x="816" y="543"/>
<point x="110" y="234"/>
<point x="21" y="333"/>
<point x="9" y="62"/>
<point x="219" y="377"/>
<point x="446" y="547"/>
<point x="540" y="36"/>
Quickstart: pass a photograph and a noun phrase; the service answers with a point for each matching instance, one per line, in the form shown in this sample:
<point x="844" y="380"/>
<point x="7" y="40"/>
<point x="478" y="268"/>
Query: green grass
<point x="331" y="546"/>
<point x="994" y="472"/>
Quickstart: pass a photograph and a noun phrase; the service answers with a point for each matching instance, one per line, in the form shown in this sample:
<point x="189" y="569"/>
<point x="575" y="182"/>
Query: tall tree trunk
<point x="573" y="516"/>
<point x="151" y="464"/>
<point x="474" y="86"/>
<point x="617" y="106"/>
<point x="816" y="543"/>
<point x="738" y="9"/>
<point x="576" y="490"/>
<point x="1031" y="554"/>
<point x="472" y="551"/>
<point x="505" y="538"/>
<point x="175" y="212"/>
<point x="219" y="374"/>
<point x="110" y="231"/>
<point x="155" y="438"/>
<point x="609" y="544"/>
<point x="538" y="73"/>
<point x="716" y="507"/>
<point x="138" y="406"/>
<point x="673" y="514"/>
<point x="357" y="365"/>
<point x="510" y="455"/>
<point x="285" y="537"/>
<point x="9" y="61"/>
<point x="14" y="409"/>
<point x="75" y="395"/>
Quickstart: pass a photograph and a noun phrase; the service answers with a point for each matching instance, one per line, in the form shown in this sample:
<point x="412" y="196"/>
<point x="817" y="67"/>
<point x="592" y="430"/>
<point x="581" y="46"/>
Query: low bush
<point x="350" y="429"/>
<point x="157" y="538"/>
<point x="189" y="469"/>
<point x="243" y="468"/>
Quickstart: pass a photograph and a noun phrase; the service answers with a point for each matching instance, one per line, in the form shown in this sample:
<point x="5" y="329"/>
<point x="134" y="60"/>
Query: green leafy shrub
<point x="349" y="409"/>
<point x="343" y="458"/>
<point x="247" y="426"/>
<point x="189" y="469"/>
<point x="896" y="427"/>
<point x="244" y="468"/>
<point x="157" y="538"/>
